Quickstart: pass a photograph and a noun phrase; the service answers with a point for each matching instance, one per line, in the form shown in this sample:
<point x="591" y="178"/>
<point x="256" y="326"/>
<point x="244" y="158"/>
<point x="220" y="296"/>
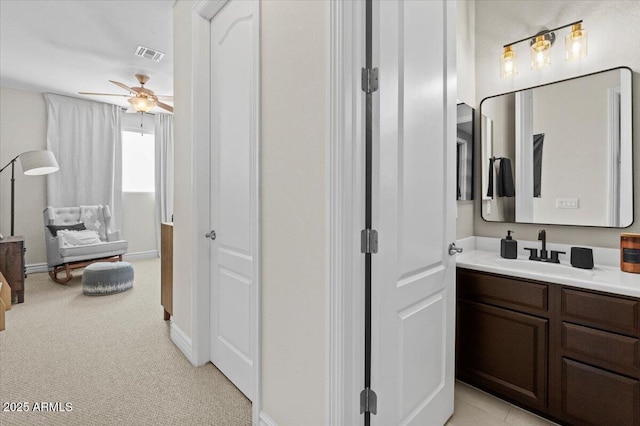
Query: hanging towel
<point x="505" y="186"/>
<point x="538" y="141"/>
<point x="490" y="186"/>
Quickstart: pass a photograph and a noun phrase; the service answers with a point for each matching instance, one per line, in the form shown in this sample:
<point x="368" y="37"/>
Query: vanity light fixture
<point x="576" y="44"/>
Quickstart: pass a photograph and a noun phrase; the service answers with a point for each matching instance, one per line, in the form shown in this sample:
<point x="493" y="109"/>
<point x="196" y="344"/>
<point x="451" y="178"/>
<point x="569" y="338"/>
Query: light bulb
<point x="508" y="63"/>
<point x="142" y="104"/>
<point x="540" y="53"/>
<point x="576" y="43"/>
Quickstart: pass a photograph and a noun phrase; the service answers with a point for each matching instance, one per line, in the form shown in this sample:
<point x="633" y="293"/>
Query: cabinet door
<point x="592" y="396"/>
<point x="503" y="351"/>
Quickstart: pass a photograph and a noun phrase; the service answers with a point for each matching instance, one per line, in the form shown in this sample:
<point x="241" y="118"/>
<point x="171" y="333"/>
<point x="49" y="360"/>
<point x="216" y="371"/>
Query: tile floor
<point x="476" y="408"/>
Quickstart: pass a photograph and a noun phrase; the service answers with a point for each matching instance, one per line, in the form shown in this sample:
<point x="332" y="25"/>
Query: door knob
<point x="211" y="234"/>
<point x="453" y="249"/>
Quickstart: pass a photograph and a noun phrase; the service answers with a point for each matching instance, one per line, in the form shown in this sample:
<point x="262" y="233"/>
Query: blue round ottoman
<point x="102" y="278"/>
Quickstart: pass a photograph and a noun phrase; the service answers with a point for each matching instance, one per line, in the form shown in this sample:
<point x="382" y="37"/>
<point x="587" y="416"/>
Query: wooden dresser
<point x="166" y="269"/>
<point x="12" y="265"/>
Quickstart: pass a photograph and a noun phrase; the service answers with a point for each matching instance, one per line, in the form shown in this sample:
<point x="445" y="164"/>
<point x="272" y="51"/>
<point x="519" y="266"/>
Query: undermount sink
<point x="537" y="267"/>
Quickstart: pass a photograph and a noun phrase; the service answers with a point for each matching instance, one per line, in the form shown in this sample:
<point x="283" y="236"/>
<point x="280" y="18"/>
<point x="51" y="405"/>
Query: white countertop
<point x="603" y="277"/>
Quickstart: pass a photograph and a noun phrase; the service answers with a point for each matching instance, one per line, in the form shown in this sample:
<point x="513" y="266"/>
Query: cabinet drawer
<point x="591" y="396"/>
<point x="602" y="345"/>
<point x="616" y="313"/>
<point x="502" y="291"/>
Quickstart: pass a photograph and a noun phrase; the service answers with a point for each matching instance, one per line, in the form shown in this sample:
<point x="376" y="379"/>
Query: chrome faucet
<point x="542" y="236"/>
<point x="533" y="252"/>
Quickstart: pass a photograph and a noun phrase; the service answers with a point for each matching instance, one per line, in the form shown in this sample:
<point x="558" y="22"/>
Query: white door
<point x="234" y="209"/>
<point x="414" y="212"/>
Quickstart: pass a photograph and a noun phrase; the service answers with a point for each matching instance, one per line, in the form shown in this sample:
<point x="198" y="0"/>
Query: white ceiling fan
<point x="140" y="98"/>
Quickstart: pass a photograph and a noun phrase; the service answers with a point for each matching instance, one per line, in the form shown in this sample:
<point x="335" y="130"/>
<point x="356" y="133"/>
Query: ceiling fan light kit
<point x="141" y="104"/>
<point x="142" y="99"/>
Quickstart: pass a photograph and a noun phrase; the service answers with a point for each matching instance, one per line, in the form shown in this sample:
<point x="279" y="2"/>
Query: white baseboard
<point x="182" y="341"/>
<point x="141" y="255"/>
<point x="36" y="267"/>
<point x="265" y="420"/>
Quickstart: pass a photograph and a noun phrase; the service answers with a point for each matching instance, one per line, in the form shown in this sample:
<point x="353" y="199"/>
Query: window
<point x="138" y="162"/>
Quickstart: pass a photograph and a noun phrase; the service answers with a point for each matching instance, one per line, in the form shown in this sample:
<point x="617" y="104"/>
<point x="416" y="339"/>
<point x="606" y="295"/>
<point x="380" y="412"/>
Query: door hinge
<point x="369" y="241"/>
<point x="368" y="401"/>
<point x="369" y="80"/>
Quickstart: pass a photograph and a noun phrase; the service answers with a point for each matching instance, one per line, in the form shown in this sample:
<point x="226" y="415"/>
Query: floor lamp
<point x="33" y="163"/>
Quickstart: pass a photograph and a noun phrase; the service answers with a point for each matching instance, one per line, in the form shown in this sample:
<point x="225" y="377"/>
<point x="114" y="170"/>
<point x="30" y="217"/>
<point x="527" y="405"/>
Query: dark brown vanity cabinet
<point x="598" y="358"/>
<point x="572" y="355"/>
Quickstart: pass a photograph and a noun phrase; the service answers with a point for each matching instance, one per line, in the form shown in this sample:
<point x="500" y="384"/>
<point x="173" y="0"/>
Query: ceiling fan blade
<point x="165" y="97"/>
<point x="125" y="87"/>
<point x="102" y="94"/>
<point x="165" y="106"/>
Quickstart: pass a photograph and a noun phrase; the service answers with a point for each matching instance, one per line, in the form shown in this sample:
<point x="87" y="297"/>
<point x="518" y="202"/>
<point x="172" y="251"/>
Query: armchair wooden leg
<point x="54" y="274"/>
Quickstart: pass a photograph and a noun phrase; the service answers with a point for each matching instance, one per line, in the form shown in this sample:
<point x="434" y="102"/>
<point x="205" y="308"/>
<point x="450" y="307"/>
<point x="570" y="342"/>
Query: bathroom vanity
<point x="560" y="341"/>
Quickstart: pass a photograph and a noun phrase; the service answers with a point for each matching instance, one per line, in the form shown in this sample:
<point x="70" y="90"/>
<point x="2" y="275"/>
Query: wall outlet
<point x="567" y="203"/>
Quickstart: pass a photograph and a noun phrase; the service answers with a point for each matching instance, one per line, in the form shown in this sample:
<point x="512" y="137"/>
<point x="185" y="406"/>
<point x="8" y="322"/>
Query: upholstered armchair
<point x="65" y="253"/>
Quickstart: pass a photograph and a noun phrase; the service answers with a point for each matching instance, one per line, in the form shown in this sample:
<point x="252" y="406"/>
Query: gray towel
<point x="538" y="141"/>
<point x="504" y="184"/>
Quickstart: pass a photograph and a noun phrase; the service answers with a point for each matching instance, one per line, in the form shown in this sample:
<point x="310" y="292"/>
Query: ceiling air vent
<point x="145" y="52"/>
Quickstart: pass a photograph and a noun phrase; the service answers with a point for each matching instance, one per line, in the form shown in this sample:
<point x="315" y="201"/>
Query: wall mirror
<point x="560" y="153"/>
<point x="464" y="153"/>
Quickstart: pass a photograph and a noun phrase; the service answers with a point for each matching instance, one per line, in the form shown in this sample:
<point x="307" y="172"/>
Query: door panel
<point x="233" y="199"/>
<point x="413" y="276"/>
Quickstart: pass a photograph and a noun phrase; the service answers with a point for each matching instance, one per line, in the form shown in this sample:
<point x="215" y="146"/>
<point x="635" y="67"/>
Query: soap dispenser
<point x="508" y="247"/>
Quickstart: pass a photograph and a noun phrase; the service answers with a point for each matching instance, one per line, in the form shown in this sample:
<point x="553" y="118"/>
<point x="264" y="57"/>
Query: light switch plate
<point x="567" y="203"/>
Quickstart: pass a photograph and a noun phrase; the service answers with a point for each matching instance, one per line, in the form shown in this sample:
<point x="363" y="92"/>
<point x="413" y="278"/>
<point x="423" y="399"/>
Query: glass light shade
<point x="540" y="53"/>
<point x="38" y="162"/>
<point x="142" y="104"/>
<point x="508" y="63"/>
<point x="576" y="43"/>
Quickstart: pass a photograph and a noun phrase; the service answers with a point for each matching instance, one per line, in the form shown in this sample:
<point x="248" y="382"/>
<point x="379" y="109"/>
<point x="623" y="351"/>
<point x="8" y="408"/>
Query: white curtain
<point x="164" y="170"/>
<point x="86" y="138"/>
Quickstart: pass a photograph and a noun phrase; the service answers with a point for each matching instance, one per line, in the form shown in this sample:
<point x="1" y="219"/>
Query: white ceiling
<point x="66" y="47"/>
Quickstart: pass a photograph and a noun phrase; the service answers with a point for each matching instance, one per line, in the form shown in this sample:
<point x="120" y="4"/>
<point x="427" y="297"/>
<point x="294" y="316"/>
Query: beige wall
<point x="499" y="22"/>
<point x="23" y="127"/>
<point x="466" y="66"/>
<point x="183" y="19"/>
<point x="293" y="210"/>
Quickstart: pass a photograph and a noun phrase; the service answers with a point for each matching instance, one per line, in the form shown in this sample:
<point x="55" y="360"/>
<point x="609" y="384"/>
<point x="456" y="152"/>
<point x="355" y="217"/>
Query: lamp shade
<point x="540" y="53"/>
<point x="576" y="43"/>
<point x="40" y="162"/>
<point x="508" y="64"/>
<point x="142" y="104"/>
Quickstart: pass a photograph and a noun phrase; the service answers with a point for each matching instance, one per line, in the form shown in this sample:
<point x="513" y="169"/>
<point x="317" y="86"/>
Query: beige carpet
<point x="110" y="357"/>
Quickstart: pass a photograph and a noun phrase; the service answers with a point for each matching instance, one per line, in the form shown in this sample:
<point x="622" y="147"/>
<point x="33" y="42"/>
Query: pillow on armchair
<point x="75" y="227"/>
<point x="78" y="238"/>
